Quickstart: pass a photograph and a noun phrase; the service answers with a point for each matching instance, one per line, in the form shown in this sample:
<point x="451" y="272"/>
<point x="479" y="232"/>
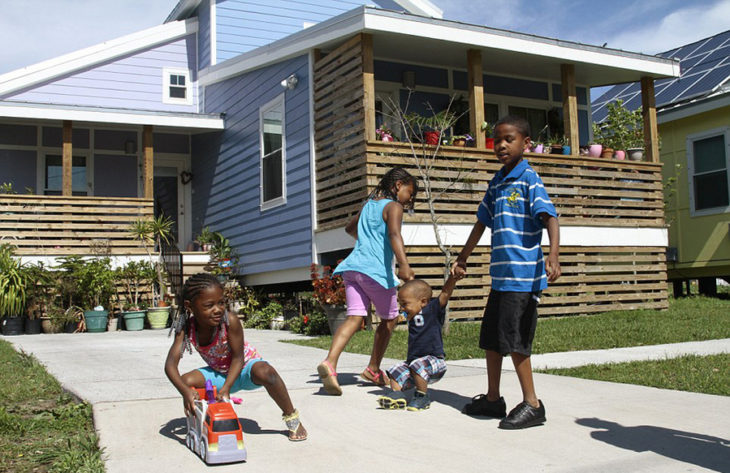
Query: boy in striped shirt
<point x="515" y="207"/>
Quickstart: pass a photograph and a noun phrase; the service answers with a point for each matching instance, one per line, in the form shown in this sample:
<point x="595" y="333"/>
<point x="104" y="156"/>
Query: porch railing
<point x="61" y="225"/>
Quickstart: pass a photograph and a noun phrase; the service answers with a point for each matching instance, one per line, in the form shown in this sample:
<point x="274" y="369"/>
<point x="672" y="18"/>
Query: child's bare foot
<point x="297" y="432"/>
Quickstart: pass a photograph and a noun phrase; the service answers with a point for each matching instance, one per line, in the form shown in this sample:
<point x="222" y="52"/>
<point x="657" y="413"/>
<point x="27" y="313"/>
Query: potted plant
<point x="12" y="292"/>
<point x="488" y="130"/>
<point x="153" y="233"/>
<point x="384" y="133"/>
<point x="96" y="285"/>
<point x="622" y="129"/>
<point x="461" y="140"/>
<point x="430" y="128"/>
<point x="223" y="258"/>
<point x="135" y="277"/>
<point x="205" y="239"/>
<point x="39" y="296"/>
<point x="329" y="291"/>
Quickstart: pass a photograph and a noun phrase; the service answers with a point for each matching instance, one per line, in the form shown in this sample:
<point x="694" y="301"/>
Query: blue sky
<point x="35" y="30"/>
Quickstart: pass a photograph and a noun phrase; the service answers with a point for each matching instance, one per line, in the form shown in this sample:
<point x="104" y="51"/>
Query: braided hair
<point x="192" y="288"/>
<point x="387" y="186"/>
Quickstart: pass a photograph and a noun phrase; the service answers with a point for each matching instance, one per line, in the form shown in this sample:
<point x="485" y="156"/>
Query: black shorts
<point x="509" y="322"/>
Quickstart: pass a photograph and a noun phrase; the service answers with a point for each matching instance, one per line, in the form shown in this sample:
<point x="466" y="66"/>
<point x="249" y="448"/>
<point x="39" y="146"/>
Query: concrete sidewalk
<point x="592" y="426"/>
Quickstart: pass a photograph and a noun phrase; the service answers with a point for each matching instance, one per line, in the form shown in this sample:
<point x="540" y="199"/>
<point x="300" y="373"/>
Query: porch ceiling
<point x="437" y="52"/>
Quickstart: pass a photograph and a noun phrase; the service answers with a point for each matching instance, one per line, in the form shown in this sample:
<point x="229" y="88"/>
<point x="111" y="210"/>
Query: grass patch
<point x="42" y="428"/>
<point x="688" y="319"/>
<point x="703" y="374"/>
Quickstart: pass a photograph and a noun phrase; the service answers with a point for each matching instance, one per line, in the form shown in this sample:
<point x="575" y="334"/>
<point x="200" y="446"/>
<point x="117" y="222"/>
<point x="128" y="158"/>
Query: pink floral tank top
<point x="217" y="354"/>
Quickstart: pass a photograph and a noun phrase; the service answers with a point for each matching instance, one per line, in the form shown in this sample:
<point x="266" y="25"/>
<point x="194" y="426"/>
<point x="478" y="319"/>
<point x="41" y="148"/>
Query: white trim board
<point x="106" y="116"/>
<point x="369" y="20"/>
<point x="456" y="235"/>
<point x="52" y="261"/>
<point x="277" y="277"/>
<point x="83" y="58"/>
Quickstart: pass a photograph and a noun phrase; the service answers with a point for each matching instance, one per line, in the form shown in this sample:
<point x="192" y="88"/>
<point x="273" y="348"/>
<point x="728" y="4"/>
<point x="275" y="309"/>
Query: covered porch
<point x="611" y="212"/>
<point x="76" y="178"/>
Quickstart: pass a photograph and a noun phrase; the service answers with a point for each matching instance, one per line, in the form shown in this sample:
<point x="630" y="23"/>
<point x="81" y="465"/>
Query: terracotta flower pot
<point x="607" y="153"/>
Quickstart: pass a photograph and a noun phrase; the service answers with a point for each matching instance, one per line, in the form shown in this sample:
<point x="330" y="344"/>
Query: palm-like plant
<point x="152" y="233"/>
<point x="12" y="283"/>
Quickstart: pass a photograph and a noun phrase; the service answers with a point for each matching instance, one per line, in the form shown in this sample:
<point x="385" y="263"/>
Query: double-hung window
<point x="708" y="163"/>
<point x="176" y="87"/>
<point x="273" y="154"/>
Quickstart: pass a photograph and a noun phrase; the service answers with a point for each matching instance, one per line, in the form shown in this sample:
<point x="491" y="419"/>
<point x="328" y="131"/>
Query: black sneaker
<point x="523" y="416"/>
<point x="481" y="406"/>
<point x="419" y="402"/>
<point x="394" y="400"/>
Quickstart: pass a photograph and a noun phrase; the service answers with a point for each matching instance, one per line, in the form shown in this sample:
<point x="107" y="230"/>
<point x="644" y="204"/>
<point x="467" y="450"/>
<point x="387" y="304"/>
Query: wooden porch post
<point x="476" y="96"/>
<point x="648" y="110"/>
<point x="67" y="159"/>
<point x="148" y="161"/>
<point x="368" y="83"/>
<point x="570" y="106"/>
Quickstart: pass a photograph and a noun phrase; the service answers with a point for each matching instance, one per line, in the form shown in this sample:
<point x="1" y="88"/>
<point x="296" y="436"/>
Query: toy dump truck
<point x="214" y="432"/>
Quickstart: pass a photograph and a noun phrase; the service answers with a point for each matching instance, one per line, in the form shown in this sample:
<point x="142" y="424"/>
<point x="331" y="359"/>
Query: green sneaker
<point x="394" y="400"/>
<point x="419" y="402"/>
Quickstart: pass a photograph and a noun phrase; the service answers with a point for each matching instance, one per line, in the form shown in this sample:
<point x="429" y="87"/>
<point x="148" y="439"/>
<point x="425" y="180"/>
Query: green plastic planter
<point x="96" y="320"/>
<point x="158" y="316"/>
<point x="133" y="320"/>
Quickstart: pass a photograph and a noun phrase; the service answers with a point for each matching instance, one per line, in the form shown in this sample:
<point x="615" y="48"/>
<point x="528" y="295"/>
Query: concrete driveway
<point x="592" y="426"/>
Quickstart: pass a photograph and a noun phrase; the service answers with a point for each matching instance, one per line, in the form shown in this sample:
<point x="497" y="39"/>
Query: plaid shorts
<point x="428" y="367"/>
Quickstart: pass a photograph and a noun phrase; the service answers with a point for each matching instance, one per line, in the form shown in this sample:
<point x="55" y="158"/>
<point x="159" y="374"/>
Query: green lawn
<point x="42" y="428"/>
<point x="688" y="319"/>
<point x="704" y="374"/>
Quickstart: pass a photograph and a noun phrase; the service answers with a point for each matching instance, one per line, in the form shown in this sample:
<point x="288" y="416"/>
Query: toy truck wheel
<point x="204" y="450"/>
<point x="187" y="440"/>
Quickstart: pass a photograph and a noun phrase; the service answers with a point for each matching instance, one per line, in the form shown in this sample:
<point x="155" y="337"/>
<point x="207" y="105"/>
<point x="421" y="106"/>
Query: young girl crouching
<point x="232" y="364"/>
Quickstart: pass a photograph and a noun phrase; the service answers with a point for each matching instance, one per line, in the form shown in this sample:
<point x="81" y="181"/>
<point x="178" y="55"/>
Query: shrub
<point x="262" y="318"/>
<point x="312" y="324"/>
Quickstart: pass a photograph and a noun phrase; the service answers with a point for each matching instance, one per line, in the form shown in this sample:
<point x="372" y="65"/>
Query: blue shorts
<point x="430" y="368"/>
<point x="243" y="383"/>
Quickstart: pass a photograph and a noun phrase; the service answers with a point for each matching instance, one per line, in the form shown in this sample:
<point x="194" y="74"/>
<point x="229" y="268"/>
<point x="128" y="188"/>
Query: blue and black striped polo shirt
<point x="511" y="208"/>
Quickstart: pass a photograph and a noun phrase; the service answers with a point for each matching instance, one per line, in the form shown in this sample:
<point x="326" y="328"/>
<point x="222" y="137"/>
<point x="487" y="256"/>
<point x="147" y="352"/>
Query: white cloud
<point x="677" y="28"/>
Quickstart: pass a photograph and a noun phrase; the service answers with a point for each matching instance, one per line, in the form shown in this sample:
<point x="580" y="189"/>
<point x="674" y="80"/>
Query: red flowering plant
<point x="327" y="288"/>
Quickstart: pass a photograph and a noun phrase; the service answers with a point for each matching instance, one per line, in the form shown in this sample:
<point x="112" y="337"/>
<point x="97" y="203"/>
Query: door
<point x="171" y="196"/>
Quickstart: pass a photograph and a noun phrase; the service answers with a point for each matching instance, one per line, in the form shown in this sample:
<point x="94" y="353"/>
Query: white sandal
<point x="292" y="423"/>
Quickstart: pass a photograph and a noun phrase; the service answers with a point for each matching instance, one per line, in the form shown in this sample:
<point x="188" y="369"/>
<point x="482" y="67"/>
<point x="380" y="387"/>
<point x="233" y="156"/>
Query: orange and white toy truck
<point x="214" y="432"/>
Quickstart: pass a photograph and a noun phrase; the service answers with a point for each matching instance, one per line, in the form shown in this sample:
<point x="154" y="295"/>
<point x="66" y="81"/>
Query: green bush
<point x="312" y="324"/>
<point x="262" y="318"/>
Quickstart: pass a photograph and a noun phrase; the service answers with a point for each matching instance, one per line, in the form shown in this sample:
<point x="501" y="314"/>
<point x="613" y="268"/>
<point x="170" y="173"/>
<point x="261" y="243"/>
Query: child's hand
<point x="223" y="395"/>
<point x="189" y="399"/>
<point x="458" y="269"/>
<point x="552" y="267"/>
<point x="405" y="273"/>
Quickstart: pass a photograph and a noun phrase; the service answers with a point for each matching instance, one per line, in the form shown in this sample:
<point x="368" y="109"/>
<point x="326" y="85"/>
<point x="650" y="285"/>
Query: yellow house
<point x="693" y="114"/>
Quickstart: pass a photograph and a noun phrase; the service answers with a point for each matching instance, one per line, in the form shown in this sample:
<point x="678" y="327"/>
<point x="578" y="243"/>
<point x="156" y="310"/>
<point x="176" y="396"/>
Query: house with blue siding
<point x="258" y="121"/>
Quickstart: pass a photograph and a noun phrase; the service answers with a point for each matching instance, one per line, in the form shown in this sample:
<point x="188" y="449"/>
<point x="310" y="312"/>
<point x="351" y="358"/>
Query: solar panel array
<point x="704" y="68"/>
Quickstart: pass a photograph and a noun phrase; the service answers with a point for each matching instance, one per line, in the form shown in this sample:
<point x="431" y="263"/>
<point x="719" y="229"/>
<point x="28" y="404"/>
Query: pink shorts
<point x="361" y="289"/>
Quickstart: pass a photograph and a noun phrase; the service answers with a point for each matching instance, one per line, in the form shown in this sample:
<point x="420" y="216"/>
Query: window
<point x="273" y="155"/>
<point x="54" y="175"/>
<point x="708" y="163"/>
<point x="536" y="117"/>
<point x="176" y="87"/>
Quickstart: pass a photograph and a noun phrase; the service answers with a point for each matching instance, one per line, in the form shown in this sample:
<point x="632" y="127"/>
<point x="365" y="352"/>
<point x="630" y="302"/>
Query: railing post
<point x="570" y="106"/>
<point x="149" y="169"/>
<point x="476" y="96"/>
<point x="67" y="159"/>
<point x="368" y="83"/>
<point x="648" y="110"/>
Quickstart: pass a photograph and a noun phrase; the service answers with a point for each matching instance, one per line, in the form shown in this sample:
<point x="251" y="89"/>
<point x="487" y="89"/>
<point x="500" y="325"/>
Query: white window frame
<point x="166" y="73"/>
<point x="281" y="200"/>
<point x="691" y="172"/>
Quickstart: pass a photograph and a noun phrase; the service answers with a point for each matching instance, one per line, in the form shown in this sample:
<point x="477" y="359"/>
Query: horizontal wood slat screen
<point x="63" y="225"/>
<point x="595" y="279"/>
<point x="585" y="191"/>
<point x="339" y="132"/>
